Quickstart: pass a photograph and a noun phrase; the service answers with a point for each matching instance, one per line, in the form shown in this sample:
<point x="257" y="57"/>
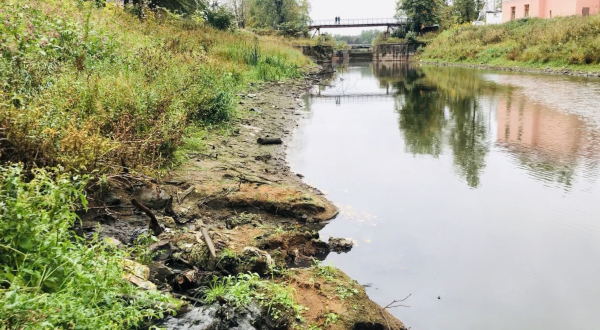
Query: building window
<point x="585" y="11"/>
<point x="526" y="11"/>
<point x="551" y="14"/>
<point x="513" y="13"/>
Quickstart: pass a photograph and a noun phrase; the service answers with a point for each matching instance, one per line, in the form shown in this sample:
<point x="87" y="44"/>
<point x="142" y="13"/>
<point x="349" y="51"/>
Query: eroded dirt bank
<point x="259" y="215"/>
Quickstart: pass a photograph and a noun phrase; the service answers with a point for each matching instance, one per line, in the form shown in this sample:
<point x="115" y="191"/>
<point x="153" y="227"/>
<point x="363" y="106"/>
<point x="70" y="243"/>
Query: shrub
<point x="50" y="278"/>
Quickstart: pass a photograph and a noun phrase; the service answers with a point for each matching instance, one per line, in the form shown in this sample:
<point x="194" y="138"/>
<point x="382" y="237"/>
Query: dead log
<point x="265" y="141"/>
<point x="153" y="224"/>
<point x="207" y="239"/>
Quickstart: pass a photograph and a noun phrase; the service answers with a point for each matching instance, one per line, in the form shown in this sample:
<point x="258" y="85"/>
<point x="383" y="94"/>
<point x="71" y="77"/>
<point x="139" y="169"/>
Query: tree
<point x="289" y="16"/>
<point x="420" y="13"/>
<point x="467" y="10"/>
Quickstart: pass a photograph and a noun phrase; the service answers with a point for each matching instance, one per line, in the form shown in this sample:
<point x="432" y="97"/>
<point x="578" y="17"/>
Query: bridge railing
<point x="382" y="21"/>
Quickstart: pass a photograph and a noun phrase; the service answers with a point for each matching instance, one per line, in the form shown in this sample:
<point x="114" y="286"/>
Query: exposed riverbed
<point x="474" y="191"/>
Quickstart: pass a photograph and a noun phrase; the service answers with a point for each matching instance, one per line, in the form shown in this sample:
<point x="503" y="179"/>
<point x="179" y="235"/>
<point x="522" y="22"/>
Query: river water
<point x="476" y="192"/>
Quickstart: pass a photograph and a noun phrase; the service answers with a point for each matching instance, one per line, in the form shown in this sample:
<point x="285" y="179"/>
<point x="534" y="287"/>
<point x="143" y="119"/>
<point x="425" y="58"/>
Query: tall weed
<point x="92" y="88"/>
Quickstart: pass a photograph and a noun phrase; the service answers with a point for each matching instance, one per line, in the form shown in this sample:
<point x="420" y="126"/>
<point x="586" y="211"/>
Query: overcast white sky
<point x="346" y="9"/>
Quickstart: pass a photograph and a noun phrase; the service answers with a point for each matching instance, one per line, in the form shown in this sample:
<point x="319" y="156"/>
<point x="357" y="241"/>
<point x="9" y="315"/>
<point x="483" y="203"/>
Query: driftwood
<point x="153" y="224"/>
<point x="184" y="194"/>
<point x="207" y="239"/>
<point x="264" y="141"/>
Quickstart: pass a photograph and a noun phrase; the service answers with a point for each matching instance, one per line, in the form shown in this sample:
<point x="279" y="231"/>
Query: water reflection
<point x="440" y="109"/>
<point x="479" y="187"/>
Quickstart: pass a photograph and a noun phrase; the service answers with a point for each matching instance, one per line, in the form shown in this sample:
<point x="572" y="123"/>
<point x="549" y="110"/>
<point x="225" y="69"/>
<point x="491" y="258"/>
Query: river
<point x="474" y="192"/>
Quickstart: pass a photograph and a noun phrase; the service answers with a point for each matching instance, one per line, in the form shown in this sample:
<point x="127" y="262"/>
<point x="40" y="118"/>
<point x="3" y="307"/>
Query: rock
<point x="137" y="274"/>
<point x="110" y="199"/>
<point x="251" y="96"/>
<point x="167" y="221"/>
<point x="153" y="197"/>
<point x="219" y="317"/>
<point x="259" y="253"/>
<point x="161" y="273"/>
<point x="141" y="283"/>
<point x="340" y="244"/>
<point x="138" y="232"/>
<point x="113" y="242"/>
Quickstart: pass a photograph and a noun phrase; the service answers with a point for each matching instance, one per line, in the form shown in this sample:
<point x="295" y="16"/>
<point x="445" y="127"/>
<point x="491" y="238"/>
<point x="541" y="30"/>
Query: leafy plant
<point x="141" y="248"/>
<point x="241" y="290"/>
<point x="327" y="272"/>
<point x="50" y="278"/>
<point x="331" y="318"/>
<point x="344" y="292"/>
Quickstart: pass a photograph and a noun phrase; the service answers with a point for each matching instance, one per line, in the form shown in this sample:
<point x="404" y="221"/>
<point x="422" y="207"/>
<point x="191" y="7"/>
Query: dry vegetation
<point x="565" y="41"/>
<point x="89" y="88"/>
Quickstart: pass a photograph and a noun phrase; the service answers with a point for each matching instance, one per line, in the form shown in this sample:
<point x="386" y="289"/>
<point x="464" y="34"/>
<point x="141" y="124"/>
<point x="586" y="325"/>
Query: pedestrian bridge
<point x="351" y="98"/>
<point x="351" y="23"/>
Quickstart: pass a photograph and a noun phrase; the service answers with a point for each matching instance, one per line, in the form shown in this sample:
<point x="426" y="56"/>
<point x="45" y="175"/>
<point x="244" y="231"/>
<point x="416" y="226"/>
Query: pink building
<point x="515" y="9"/>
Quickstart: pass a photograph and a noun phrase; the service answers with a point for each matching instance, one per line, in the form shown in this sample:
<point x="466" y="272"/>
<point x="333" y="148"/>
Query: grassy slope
<point x="88" y="88"/>
<point x="564" y="42"/>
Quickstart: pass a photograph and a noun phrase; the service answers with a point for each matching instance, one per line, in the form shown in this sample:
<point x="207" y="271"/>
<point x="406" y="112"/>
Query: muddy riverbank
<point x="259" y="215"/>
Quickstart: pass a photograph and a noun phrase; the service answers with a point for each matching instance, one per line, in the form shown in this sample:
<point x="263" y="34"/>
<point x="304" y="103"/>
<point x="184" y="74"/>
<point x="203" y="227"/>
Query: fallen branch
<point x="153" y="224"/>
<point x="207" y="239"/>
<point x="397" y="301"/>
<point x="182" y="296"/>
<point x="391" y="305"/>
<point x="185" y="194"/>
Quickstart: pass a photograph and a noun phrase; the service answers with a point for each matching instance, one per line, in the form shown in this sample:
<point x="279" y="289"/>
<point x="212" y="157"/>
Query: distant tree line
<point x="365" y="37"/>
<point x="289" y="17"/>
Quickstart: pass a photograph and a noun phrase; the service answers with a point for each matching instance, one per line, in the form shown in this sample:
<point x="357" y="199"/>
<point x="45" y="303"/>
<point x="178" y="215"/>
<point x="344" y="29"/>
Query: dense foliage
<point x="365" y="37"/>
<point x="49" y="278"/>
<point x="560" y="41"/>
<point x="420" y="13"/>
<point x="465" y="11"/>
<point x="290" y="17"/>
<point x="92" y="88"/>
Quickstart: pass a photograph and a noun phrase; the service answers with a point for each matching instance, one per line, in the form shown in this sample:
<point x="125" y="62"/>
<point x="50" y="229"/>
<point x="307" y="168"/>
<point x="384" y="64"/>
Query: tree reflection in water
<point x="441" y="108"/>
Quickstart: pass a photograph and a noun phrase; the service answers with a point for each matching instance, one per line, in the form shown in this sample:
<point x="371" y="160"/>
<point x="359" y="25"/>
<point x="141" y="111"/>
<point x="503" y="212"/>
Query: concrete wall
<point x="534" y="8"/>
<point x="547" y="8"/>
<point x="493" y="17"/>
<point x="394" y="52"/>
<point x="594" y="6"/>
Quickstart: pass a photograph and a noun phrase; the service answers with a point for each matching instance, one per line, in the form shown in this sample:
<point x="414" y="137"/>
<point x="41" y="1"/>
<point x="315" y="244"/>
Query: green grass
<point x="572" y="42"/>
<point x="327" y="272"/>
<point x="87" y="88"/>
<point x="241" y="290"/>
<point x="50" y="278"/>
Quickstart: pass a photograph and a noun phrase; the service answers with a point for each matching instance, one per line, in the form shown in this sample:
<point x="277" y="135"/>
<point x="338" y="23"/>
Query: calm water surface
<point x="480" y="188"/>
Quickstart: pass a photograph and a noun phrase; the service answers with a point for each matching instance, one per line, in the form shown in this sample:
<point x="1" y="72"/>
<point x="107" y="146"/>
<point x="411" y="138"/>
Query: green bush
<point x="50" y="278"/>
